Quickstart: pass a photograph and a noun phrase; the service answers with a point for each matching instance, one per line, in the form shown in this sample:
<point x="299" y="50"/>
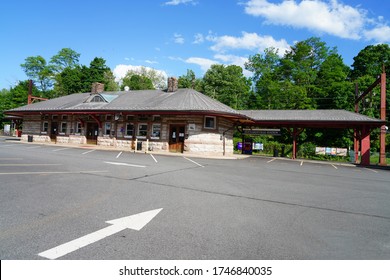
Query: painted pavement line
<point x="33" y="147"/>
<point x="57" y="150"/>
<point x="119" y="155"/>
<point x="198" y="164"/>
<point x="29" y="164"/>
<point x="54" y="172"/>
<point x="11" y="159"/>
<point x="301" y="162"/>
<point x="125" y="164"/>
<point x="334" y="166"/>
<point x="153" y="158"/>
<point x="372" y="170"/>
<point x="90" y="151"/>
<point x="134" y="222"/>
<point x="271" y="160"/>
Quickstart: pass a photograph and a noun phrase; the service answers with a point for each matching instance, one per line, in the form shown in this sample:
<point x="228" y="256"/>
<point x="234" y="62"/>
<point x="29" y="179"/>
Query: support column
<point x="294" y="148"/>
<point x="382" y="140"/>
<point x="365" y="149"/>
<point x="295" y="133"/>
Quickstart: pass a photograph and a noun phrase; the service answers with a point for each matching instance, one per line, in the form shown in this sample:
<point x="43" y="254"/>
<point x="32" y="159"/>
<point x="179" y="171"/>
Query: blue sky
<point x="176" y="35"/>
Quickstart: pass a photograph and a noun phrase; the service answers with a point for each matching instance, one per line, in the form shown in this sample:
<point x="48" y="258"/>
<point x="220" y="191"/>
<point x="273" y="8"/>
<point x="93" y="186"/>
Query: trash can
<point x="29" y="138"/>
<point x="276" y="153"/>
<point x="139" y="146"/>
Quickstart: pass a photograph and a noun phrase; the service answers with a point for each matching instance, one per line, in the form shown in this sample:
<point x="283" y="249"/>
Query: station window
<point x="142" y="130"/>
<point x="156" y="131"/>
<point x="210" y="122"/>
<point x="45" y="127"/>
<point x="78" y="127"/>
<point x="107" y="128"/>
<point x="64" y="127"/>
<point x="129" y="129"/>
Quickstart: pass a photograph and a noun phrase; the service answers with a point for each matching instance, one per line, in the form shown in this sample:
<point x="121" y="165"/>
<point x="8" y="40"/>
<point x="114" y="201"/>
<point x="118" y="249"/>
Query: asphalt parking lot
<point x="201" y="208"/>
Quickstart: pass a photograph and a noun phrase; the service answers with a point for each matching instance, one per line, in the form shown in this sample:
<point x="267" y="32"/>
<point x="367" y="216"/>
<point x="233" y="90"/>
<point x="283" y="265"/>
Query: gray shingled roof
<point x="191" y="101"/>
<point x="182" y="100"/>
<point x="308" y="116"/>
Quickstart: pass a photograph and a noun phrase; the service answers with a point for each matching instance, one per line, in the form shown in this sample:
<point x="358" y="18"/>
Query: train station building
<point x="172" y="120"/>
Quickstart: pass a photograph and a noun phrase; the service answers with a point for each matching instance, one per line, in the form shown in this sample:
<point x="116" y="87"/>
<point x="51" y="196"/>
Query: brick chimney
<point x="172" y="84"/>
<point x="97" y="88"/>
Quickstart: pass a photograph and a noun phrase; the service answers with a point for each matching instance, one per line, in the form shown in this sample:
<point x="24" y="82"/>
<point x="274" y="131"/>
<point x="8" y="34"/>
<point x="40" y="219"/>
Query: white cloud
<point x="198" y="38"/>
<point x="178" y="38"/>
<point x="380" y="34"/>
<point x="178" y="2"/>
<point x="329" y="17"/>
<point x="249" y="41"/>
<point x="204" y="63"/>
<point x="151" y="61"/>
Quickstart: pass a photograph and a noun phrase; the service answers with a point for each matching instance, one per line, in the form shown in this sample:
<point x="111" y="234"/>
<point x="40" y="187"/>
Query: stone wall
<point x="198" y="139"/>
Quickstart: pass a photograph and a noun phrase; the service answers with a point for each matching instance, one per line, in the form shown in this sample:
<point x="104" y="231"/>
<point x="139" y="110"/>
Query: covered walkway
<point x="297" y="120"/>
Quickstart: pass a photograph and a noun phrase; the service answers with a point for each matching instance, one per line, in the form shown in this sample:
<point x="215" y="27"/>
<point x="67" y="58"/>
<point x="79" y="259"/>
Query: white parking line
<point x="33" y="147"/>
<point x="29" y="164"/>
<point x="271" y="160"/>
<point x="54" y="172"/>
<point x="153" y="158"/>
<point x="90" y="151"/>
<point x="57" y="150"/>
<point x="334" y="166"/>
<point x="372" y="170"/>
<point x="119" y="155"/>
<point x="125" y="164"/>
<point x="301" y="162"/>
<point x="193" y="162"/>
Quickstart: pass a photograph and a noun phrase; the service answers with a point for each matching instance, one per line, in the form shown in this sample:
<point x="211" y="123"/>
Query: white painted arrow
<point x="136" y="222"/>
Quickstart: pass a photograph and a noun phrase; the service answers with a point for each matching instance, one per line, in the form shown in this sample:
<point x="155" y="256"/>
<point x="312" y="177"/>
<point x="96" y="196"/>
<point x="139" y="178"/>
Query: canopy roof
<point x="309" y="118"/>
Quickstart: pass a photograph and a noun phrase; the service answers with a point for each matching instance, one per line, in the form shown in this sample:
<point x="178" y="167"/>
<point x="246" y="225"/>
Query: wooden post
<point x="382" y="140"/>
<point x="365" y="146"/>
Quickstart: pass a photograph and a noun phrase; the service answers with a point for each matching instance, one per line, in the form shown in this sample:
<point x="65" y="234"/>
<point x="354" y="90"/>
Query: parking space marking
<point x="372" y="170"/>
<point x="119" y="155"/>
<point x="271" y="160"/>
<point x="153" y="158"/>
<point x="198" y="164"/>
<point x="54" y="172"/>
<point x="10" y="145"/>
<point x="29" y="164"/>
<point x="125" y="164"/>
<point x="62" y="149"/>
<point x="90" y="151"/>
<point x="334" y="166"/>
<point x="33" y="147"/>
<point x="301" y="162"/>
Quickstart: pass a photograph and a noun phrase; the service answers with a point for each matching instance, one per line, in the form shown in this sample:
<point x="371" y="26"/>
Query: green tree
<point x="228" y="85"/>
<point x="265" y="78"/>
<point x="37" y="69"/>
<point x="136" y="82"/>
<point x="334" y="90"/>
<point x="370" y="60"/>
<point x="65" y="58"/>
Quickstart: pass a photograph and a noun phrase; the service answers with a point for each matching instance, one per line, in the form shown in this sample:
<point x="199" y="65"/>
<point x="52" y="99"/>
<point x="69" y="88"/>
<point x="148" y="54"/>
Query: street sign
<point x="262" y="131"/>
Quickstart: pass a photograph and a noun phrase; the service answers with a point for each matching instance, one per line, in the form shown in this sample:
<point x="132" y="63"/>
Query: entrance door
<point x="92" y="133"/>
<point x="176" y="138"/>
<point x="54" y="130"/>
